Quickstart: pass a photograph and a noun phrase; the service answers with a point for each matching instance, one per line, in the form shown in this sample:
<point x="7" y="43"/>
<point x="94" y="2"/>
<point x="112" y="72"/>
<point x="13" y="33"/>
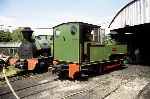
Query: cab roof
<point x="82" y="23"/>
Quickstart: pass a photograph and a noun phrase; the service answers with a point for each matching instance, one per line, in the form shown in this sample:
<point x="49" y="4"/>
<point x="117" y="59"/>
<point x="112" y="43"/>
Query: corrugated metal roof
<point x="10" y="44"/>
<point x="135" y="13"/>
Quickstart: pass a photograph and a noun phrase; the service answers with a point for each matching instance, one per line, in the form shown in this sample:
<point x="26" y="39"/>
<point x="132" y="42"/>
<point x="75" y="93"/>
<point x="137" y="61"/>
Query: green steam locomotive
<point x="80" y="49"/>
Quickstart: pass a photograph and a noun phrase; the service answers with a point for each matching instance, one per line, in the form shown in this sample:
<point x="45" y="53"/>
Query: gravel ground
<point x="125" y="83"/>
<point x="145" y="92"/>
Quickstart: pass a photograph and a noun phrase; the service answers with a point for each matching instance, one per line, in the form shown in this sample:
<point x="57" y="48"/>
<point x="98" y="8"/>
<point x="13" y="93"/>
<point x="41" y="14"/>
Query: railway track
<point x="44" y="85"/>
<point x="27" y="87"/>
<point x="100" y="86"/>
<point x="88" y="93"/>
<point x="126" y="77"/>
<point x="21" y="76"/>
<point x="89" y="90"/>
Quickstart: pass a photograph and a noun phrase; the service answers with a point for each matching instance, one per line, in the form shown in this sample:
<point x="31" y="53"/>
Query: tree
<point x="16" y="35"/>
<point x="5" y="36"/>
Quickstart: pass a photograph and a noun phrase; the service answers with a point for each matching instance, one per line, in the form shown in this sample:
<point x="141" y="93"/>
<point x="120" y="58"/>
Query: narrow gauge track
<point x="48" y="86"/>
<point x="22" y="76"/>
<point x="32" y="88"/>
<point x="97" y="85"/>
<point x="89" y="90"/>
<point x="125" y="79"/>
<point x="16" y="77"/>
<point x="25" y="88"/>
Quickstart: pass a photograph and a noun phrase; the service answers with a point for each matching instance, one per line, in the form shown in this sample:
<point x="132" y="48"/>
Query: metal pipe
<point x="8" y="83"/>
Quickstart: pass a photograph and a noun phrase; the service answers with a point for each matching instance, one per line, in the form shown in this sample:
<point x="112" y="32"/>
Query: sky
<point x="48" y="13"/>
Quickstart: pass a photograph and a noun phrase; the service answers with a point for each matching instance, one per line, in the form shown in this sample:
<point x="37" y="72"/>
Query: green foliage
<point x="17" y="35"/>
<point x="5" y="36"/>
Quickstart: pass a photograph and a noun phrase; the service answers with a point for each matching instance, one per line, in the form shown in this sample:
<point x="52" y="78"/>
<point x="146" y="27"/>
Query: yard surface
<point x="130" y="82"/>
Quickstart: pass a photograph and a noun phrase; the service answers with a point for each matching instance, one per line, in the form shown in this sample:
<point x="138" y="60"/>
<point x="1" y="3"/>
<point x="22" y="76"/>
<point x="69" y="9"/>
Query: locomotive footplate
<point x="112" y="64"/>
<point x="74" y="70"/>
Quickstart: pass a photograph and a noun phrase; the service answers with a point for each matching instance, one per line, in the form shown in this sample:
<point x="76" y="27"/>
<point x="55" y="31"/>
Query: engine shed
<point x="131" y="26"/>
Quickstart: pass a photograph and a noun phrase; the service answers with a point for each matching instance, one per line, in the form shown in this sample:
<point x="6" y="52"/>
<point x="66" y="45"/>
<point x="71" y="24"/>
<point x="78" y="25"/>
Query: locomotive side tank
<point x="79" y="49"/>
